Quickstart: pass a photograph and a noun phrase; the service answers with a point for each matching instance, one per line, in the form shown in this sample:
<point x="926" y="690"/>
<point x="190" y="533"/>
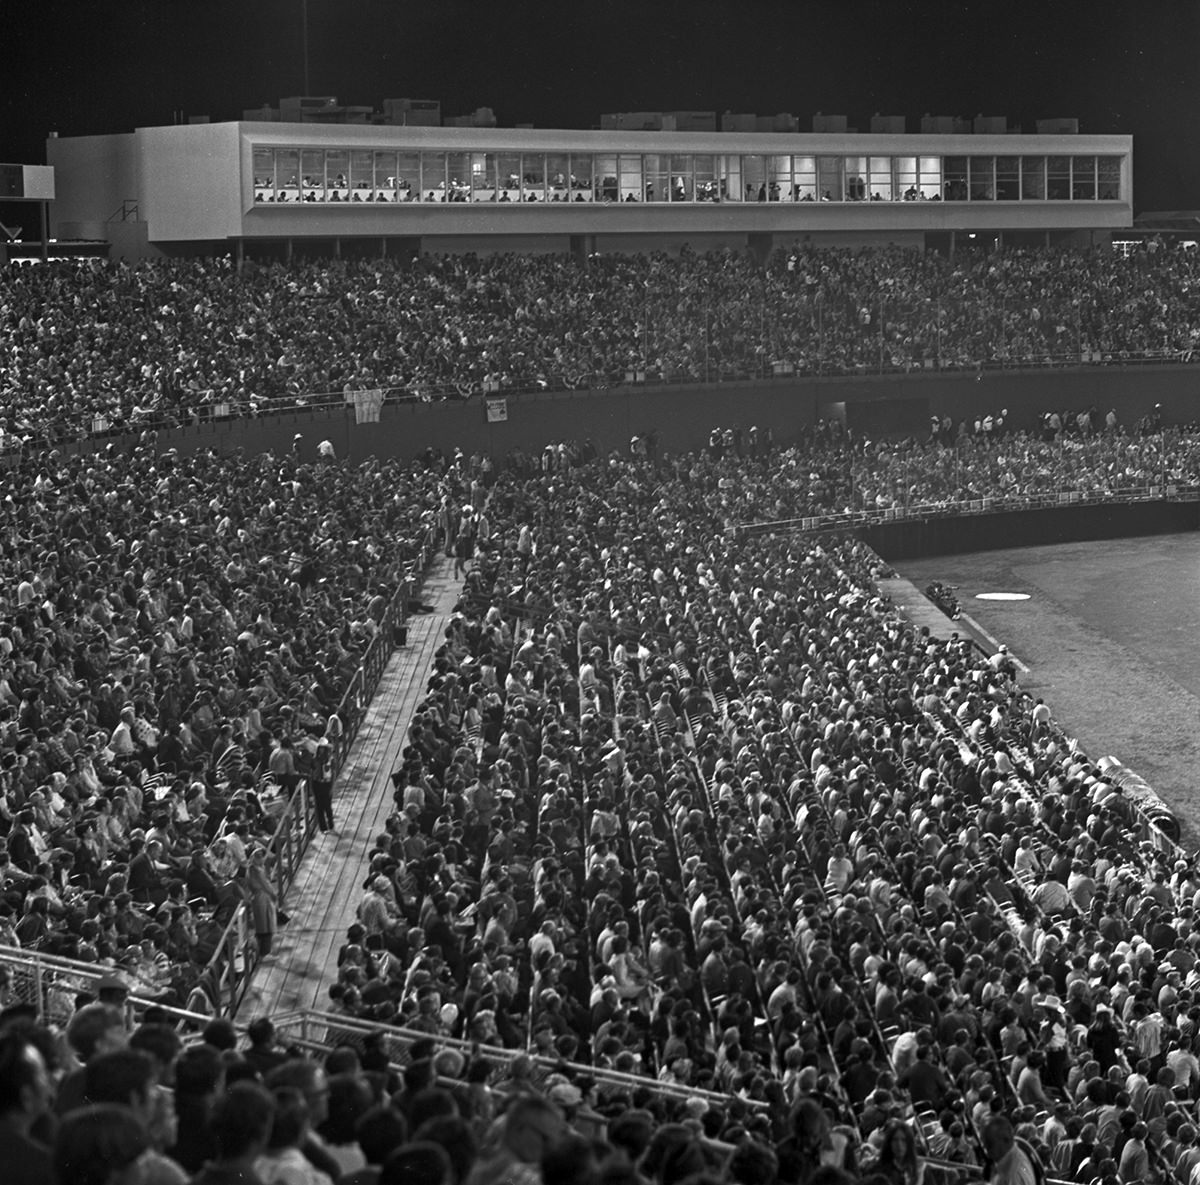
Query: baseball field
<point x="1109" y="636"/>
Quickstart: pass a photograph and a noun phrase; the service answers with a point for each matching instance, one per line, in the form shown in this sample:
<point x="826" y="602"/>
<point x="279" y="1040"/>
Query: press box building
<point x="269" y="189"/>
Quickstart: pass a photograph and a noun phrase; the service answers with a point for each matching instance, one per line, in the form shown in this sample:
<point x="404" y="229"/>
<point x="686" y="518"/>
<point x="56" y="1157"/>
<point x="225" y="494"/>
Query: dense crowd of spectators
<point x="699" y="822"/>
<point x="1015" y="307"/>
<point x="176" y="636"/>
<point x="712" y="817"/>
<point x="827" y="472"/>
<point x="956" y="467"/>
<point x="753" y="882"/>
<point x="89" y="345"/>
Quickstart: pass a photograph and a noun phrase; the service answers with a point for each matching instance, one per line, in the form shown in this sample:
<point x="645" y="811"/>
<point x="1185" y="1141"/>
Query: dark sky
<point x="87" y="66"/>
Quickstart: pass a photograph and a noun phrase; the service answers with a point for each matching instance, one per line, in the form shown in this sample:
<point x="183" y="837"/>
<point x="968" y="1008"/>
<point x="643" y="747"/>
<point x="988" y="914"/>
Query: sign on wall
<point x="29" y="183"/>
<point x="497" y="410"/>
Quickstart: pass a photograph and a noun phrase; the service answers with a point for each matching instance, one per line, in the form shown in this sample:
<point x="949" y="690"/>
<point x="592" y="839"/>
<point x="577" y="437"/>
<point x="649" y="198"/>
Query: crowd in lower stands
<point x="722" y="871"/>
<point x="787" y="849"/>
<point x="90" y="346"/>
<point x="703" y="815"/>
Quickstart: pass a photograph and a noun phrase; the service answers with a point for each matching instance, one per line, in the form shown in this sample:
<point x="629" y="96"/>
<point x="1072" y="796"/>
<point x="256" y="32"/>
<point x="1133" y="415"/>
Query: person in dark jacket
<point x="144" y="880"/>
<point x="198" y="879"/>
<point x="263" y="1054"/>
<point x="1103" y="1039"/>
<point x="199" y="1082"/>
<point x="25" y="1094"/>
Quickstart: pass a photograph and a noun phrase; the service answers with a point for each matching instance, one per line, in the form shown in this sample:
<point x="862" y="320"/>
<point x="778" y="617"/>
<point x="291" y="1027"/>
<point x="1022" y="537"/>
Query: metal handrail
<point x="315" y="1026"/>
<point x="298" y="820"/>
<point x="125" y="211"/>
<point x="236" y="956"/>
<point x="41" y="975"/>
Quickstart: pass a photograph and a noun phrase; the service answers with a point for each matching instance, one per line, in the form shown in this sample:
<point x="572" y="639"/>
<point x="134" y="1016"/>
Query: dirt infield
<point x="1111" y="637"/>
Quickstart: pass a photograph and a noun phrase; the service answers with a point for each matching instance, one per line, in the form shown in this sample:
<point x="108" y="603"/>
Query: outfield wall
<point x="683" y="415"/>
<point x="915" y="539"/>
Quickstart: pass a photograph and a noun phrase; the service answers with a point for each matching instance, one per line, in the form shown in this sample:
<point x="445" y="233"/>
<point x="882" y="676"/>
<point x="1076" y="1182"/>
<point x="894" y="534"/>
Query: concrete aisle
<point x="328" y="887"/>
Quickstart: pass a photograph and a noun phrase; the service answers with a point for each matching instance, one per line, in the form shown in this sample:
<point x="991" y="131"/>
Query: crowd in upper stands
<point x="90" y="346"/>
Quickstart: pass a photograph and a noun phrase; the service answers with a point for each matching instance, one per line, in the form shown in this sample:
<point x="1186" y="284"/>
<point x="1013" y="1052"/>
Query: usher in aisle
<point x="323" y="900"/>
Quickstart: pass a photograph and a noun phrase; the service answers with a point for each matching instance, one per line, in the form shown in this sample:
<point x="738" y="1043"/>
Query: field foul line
<point x="992" y="641"/>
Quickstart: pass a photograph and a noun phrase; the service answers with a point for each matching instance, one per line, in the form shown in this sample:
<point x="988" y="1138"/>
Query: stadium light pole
<point x="820" y="337"/>
<point x="881" y="334"/>
<point x="646" y="328"/>
<point x="707" y="338"/>
<point x="762" y="329"/>
<point x="304" y="40"/>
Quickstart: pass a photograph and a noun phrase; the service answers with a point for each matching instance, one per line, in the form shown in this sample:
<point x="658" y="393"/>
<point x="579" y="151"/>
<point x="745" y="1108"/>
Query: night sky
<point x="90" y="66"/>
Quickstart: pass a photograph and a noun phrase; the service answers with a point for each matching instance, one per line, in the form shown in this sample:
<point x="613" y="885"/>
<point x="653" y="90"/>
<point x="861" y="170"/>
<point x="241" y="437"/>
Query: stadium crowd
<point x="90" y="346"/>
<point x="712" y="814"/>
<point x="683" y="811"/>
<point x="177" y="635"/>
<point x="751" y="881"/>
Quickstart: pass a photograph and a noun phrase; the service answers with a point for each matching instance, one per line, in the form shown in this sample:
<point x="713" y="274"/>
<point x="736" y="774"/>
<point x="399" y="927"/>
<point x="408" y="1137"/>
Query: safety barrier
<point x="845" y="520"/>
<point x="51" y="984"/>
<point x="114" y="426"/>
<point x="318" y="1031"/>
<point x="1157" y="823"/>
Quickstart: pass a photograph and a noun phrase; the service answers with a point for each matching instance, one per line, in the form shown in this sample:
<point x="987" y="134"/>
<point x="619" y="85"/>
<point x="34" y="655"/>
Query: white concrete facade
<point x="215" y="184"/>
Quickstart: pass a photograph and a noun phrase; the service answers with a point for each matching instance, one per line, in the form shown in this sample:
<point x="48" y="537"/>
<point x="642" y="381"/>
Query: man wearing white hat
<point x="1053" y="1039"/>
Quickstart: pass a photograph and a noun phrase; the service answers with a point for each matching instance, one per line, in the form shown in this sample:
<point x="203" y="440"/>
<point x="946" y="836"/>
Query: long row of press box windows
<point x="340" y="175"/>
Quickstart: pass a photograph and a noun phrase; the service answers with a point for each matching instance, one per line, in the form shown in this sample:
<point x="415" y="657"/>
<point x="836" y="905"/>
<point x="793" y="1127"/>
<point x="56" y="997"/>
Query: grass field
<point x="1111" y="637"/>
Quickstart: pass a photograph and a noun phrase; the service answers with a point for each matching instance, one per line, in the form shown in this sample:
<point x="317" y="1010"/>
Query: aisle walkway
<point x="328" y="887"/>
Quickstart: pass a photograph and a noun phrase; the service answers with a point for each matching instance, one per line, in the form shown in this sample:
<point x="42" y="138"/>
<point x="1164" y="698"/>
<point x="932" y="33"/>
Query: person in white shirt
<point x="542" y="942"/>
<point x="121" y="742"/>
<point x="840" y="871"/>
<point x="1186" y="1068"/>
<point x="1025" y="860"/>
<point x="1051" y="897"/>
<point x="25" y="589"/>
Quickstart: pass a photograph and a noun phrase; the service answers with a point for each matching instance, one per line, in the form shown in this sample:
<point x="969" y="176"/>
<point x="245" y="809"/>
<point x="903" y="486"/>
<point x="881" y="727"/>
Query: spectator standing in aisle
<point x="320" y="779"/>
<point x="261" y="895"/>
<point x="465" y="539"/>
<point x="282" y="764"/>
